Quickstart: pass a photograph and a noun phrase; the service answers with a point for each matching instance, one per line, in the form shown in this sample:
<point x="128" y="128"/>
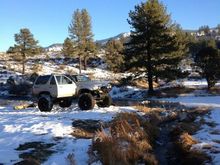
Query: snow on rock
<point x="127" y="92"/>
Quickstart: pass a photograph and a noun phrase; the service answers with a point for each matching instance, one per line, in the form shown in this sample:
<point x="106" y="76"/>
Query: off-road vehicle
<point x="51" y="89"/>
<point x="62" y="89"/>
<point x="92" y="90"/>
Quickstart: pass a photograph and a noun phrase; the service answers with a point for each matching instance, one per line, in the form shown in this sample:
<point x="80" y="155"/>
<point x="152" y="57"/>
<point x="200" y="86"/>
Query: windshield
<point x="81" y="78"/>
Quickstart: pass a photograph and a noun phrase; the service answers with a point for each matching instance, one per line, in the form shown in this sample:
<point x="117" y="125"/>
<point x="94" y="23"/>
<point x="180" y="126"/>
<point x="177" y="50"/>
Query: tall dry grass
<point x="127" y="141"/>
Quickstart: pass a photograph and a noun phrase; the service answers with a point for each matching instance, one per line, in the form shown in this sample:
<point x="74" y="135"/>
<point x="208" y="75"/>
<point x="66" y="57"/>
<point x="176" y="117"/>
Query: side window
<point x="59" y="80"/>
<point x="52" y="81"/>
<point x="42" y="80"/>
<point x="62" y="80"/>
<point x="74" y="78"/>
<point x="66" y="80"/>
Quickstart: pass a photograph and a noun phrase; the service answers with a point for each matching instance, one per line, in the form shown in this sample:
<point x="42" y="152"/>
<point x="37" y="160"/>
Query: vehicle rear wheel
<point x="86" y="101"/>
<point x="64" y="103"/>
<point x="45" y="104"/>
<point x="106" y="102"/>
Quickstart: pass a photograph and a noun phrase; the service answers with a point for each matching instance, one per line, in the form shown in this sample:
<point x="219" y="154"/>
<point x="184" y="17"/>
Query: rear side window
<point x="42" y="80"/>
<point x="52" y="81"/>
<point x="59" y="80"/>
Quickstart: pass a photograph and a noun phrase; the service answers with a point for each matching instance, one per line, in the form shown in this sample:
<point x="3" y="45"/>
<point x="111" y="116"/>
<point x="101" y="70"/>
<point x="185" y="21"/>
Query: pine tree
<point x="167" y="65"/>
<point x="196" y="45"/>
<point x="208" y="59"/>
<point x="69" y="49"/>
<point x="81" y="33"/>
<point x="218" y="28"/>
<point x="154" y="45"/>
<point x="205" y="29"/>
<point x="114" y="55"/>
<point x="26" y="45"/>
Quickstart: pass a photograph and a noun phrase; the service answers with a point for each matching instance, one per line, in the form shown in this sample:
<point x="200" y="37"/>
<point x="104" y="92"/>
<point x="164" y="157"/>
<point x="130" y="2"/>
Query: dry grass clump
<point x="187" y="154"/>
<point x="154" y="114"/>
<point x="70" y="71"/>
<point x="146" y="109"/>
<point x="186" y="141"/>
<point x="91" y="76"/>
<point x="127" y="142"/>
<point x="81" y="133"/>
<point x="37" y="68"/>
<point x="62" y="67"/>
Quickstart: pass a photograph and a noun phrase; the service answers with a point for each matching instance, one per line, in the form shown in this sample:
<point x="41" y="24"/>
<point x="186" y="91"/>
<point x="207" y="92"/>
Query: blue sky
<point x="48" y="20"/>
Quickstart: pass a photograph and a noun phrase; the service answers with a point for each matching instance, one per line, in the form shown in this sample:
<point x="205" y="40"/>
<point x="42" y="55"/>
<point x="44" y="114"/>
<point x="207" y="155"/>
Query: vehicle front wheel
<point x="45" y="104"/>
<point x="86" y="101"/>
<point x="64" y="103"/>
<point x="106" y="101"/>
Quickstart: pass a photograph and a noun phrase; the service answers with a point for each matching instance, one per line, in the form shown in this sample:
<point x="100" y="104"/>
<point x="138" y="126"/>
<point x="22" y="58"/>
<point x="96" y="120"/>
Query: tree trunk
<point x="23" y="64"/>
<point x="85" y="63"/>
<point x="210" y="82"/>
<point x="156" y="79"/>
<point x="80" y="64"/>
<point x="150" y="75"/>
<point x="150" y="82"/>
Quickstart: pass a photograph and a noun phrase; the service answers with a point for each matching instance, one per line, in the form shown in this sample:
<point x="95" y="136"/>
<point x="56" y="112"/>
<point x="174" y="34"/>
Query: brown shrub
<point x="143" y="83"/>
<point x="37" y="68"/>
<point x="91" y="76"/>
<point x="187" y="154"/>
<point x="126" y="143"/>
<point x="146" y="109"/>
<point x="70" y="71"/>
<point x="80" y="133"/>
<point x="186" y="141"/>
<point x="62" y="67"/>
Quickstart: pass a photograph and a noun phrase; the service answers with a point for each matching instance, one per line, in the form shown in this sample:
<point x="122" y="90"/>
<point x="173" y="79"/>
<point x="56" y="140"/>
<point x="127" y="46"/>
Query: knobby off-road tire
<point x="45" y="104"/>
<point x="64" y="103"/>
<point x="86" y="101"/>
<point x="106" y="101"/>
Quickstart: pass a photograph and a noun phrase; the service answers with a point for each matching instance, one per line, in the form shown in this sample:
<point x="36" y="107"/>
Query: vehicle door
<point x="66" y="87"/>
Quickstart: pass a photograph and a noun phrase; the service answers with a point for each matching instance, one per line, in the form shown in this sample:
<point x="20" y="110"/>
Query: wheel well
<point x="84" y="91"/>
<point x="44" y="93"/>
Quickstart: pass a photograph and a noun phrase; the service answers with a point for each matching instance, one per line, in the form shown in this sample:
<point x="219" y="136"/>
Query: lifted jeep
<point x="98" y="90"/>
<point x="62" y="89"/>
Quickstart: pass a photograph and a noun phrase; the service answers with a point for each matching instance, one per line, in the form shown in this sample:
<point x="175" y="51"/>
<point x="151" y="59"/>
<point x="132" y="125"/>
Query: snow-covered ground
<point x="31" y="125"/>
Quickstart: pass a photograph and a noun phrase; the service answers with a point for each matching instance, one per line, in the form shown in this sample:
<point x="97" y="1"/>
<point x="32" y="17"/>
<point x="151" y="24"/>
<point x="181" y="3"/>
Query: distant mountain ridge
<point x="54" y="48"/>
<point x="58" y="46"/>
<point x="117" y="37"/>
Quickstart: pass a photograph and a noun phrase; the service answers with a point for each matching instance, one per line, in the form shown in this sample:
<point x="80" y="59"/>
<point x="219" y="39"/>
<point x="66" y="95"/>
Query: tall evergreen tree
<point x="26" y="45"/>
<point x="80" y="31"/>
<point x="196" y="45"/>
<point x="90" y="47"/>
<point x="69" y="48"/>
<point x="154" y="45"/>
<point x="208" y="59"/>
<point x="218" y="28"/>
<point x="114" y="55"/>
<point x="205" y="29"/>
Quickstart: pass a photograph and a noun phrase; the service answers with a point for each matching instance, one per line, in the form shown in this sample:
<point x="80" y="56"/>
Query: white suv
<point x="54" y="88"/>
<point x="62" y="89"/>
